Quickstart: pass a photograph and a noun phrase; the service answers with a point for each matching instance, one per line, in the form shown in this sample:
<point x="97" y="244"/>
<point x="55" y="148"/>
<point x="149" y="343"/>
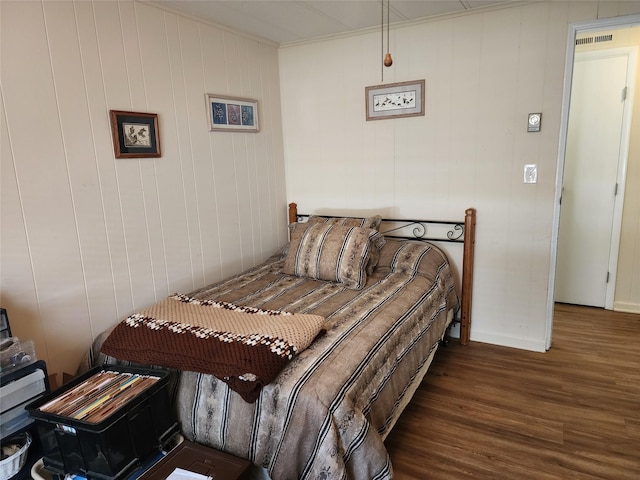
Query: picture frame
<point x="395" y="100"/>
<point x="135" y="135"/>
<point x="232" y="114"/>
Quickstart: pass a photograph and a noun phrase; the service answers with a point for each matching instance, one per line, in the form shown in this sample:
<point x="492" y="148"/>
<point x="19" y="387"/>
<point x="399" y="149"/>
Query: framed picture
<point x="232" y="114"/>
<point x="395" y="100"/>
<point x="135" y="135"/>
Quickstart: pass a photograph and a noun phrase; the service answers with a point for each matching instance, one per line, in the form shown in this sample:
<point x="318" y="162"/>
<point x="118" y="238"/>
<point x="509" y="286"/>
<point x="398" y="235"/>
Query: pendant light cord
<point x="388" y="61"/>
<point x="381" y="40"/>
<point x="388" y="2"/>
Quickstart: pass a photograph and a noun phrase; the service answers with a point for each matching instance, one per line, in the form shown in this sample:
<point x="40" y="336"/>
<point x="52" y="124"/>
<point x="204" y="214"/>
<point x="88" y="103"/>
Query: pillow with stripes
<point x="330" y="252"/>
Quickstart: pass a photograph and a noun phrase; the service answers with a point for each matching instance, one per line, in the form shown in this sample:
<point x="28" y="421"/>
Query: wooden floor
<point x="488" y="412"/>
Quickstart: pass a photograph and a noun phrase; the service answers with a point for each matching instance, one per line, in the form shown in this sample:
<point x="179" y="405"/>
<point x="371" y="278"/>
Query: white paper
<point x="182" y="474"/>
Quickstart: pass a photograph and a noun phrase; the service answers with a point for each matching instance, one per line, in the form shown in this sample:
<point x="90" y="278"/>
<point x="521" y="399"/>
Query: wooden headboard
<point x="455" y="231"/>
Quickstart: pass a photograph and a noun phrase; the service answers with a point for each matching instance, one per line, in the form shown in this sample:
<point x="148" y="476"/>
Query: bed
<point x="370" y="333"/>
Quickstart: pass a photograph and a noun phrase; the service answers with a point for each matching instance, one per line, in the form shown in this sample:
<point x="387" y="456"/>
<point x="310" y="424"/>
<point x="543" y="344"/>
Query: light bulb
<point x="388" y="61"/>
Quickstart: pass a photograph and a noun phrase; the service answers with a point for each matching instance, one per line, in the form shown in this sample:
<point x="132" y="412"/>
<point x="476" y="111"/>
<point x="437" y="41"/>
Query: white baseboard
<point x="626" y="307"/>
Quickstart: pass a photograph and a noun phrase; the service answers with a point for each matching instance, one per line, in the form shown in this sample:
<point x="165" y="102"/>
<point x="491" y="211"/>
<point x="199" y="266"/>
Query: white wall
<point x="484" y="73"/>
<point x="86" y="239"/>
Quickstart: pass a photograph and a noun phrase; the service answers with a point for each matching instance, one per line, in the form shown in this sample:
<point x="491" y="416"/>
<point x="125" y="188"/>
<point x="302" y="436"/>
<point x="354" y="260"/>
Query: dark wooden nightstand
<point x="199" y="459"/>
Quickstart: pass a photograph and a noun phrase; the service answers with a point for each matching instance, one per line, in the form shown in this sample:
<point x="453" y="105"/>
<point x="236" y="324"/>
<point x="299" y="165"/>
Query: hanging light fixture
<point x="388" y="61"/>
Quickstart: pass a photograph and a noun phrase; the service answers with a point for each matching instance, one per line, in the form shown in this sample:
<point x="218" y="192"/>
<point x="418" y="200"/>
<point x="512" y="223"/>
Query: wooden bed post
<point x="293" y="213"/>
<point x="467" y="274"/>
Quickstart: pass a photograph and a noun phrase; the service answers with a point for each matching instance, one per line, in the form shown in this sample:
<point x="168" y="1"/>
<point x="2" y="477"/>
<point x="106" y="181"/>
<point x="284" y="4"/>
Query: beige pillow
<point x="335" y="253"/>
<point x="377" y="242"/>
<point x="369" y="222"/>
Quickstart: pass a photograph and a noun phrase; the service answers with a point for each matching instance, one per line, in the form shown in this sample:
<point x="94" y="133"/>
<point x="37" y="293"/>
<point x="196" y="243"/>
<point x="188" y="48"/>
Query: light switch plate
<point x="535" y="122"/>
<point x="531" y="173"/>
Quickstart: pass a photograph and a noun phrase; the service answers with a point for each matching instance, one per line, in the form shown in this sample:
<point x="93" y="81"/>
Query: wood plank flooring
<point x="489" y="412"/>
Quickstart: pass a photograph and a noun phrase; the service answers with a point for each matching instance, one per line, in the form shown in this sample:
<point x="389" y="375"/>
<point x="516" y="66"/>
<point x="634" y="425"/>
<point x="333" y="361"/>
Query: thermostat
<point x="535" y="120"/>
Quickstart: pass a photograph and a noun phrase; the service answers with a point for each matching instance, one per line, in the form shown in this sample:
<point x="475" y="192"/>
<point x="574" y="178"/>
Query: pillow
<point x="377" y="241"/>
<point x="411" y="256"/>
<point x="369" y="222"/>
<point x="335" y="253"/>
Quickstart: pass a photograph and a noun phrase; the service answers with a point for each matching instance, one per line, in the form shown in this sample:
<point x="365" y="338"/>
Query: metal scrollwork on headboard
<point x="420" y="230"/>
<point x="456" y="233"/>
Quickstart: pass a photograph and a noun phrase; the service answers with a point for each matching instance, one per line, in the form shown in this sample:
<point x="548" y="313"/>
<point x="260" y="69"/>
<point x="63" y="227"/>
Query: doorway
<point x="575" y="30"/>
<point x="594" y="174"/>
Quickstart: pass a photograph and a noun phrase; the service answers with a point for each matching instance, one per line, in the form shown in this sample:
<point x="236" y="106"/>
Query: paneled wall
<point x="484" y="73"/>
<point x="87" y="238"/>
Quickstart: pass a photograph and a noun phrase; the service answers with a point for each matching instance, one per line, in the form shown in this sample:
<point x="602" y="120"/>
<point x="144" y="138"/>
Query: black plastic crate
<point x="110" y="448"/>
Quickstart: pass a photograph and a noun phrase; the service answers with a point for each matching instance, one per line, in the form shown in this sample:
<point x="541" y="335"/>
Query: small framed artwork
<point x="232" y="114"/>
<point x="395" y="100"/>
<point x="135" y="135"/>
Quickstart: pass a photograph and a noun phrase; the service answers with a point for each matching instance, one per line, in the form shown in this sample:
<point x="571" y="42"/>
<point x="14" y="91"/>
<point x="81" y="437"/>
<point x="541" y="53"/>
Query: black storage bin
<point x="111" y="448"/>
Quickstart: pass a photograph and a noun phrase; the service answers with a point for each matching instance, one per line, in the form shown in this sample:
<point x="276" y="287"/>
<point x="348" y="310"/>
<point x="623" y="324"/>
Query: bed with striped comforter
<point x="327" y="413"/>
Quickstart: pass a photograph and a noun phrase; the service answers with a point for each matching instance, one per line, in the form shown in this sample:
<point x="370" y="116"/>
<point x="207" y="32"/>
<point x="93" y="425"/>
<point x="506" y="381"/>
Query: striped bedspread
<point x="327" y="413"/>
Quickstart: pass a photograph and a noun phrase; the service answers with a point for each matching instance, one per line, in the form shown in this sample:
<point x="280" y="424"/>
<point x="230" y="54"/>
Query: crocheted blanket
<point x="245" y="347"/>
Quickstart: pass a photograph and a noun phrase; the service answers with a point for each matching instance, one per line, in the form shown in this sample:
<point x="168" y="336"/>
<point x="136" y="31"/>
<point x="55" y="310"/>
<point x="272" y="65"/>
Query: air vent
<point x="603" y="38"/>
<point x="596" y="39"/>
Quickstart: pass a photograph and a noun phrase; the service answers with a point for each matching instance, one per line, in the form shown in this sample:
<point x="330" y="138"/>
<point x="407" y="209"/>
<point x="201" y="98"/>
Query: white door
<point x="595" y="137"/>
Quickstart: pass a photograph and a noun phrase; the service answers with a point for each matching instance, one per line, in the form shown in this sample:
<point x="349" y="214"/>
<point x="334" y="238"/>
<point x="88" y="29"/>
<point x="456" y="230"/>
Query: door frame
<point x="623" y="159"/>
<point x="573" y="30"/>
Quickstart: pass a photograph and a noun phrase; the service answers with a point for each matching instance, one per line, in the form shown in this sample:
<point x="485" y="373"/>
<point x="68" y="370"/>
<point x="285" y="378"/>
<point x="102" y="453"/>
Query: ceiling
<point x="286" y="21"/>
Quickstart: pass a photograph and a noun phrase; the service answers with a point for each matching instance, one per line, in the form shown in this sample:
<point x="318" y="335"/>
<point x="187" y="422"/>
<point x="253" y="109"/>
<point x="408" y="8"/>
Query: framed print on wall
<point x="395" y="100"/>
<point x="135" y="135"/>
<point x="232" y="114"/>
